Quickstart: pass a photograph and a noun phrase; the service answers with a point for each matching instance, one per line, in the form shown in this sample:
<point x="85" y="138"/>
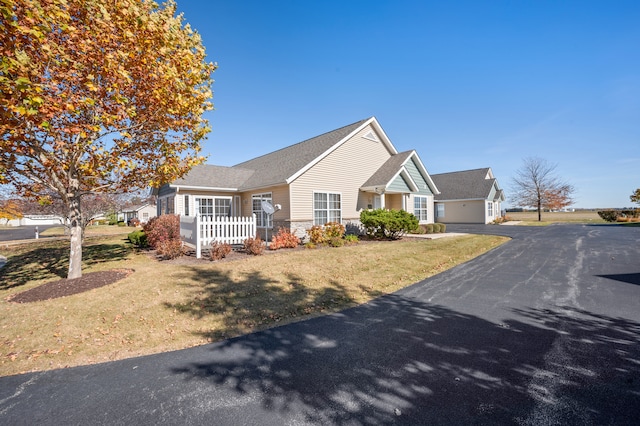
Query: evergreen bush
<point x="387" y="224"/>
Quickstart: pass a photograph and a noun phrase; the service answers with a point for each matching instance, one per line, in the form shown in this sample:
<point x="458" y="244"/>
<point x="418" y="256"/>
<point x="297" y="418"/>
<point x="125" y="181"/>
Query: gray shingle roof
<point x="267" y="170"/>
<point x="276" y="167"/>
<point x="207" y="175"/>
<point x="463" y="185"/>
<point x="388" y="170"/>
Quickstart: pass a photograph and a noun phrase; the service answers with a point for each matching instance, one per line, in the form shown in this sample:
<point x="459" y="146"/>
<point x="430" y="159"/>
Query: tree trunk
<point x="539" y="211"/>
<point x="75" y="229"/>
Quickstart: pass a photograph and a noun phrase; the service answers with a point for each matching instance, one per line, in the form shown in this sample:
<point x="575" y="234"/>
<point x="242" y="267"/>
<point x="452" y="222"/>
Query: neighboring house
<point x="470" y="196"/>
<point x="331" y="177"/>
<point x="36" y="219"/>
<point x="143" y="212"/>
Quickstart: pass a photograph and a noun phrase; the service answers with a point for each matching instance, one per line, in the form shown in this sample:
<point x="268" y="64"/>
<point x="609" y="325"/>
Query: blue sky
<point x="468" y="84"/>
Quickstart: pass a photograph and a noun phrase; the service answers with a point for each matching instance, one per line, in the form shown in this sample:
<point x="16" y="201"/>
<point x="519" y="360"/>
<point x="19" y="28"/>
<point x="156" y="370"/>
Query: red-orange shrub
<point x="162" y="228"/>
<point x="219" y="250"/>
<point x="284" y="239"/>
<point x="254" y="246"/>
<point x="170" y="249"/>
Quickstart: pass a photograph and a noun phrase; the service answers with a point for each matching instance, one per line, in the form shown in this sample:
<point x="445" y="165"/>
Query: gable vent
<point x="371" y="136"/>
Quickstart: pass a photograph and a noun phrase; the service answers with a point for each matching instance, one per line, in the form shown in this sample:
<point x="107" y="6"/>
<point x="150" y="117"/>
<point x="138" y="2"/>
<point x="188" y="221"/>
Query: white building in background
<point x="36" y="219"/>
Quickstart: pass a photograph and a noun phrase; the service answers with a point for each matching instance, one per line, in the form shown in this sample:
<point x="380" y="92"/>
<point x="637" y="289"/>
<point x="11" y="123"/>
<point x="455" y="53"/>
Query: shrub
<point x="429" y="228"/>
<point x="121" y="223"/>
<point x="309" y="245"/>
<point x="436" y="228"/>
<point x="219" y="250"/>
<point x="254" y="246"/>
<point x="333" y="230"/>
<point x="388" y="224"/>
<point x="170" y="249"/>
<point x="162" y="228"/>
<point x="443" y="227"/>
<point x="138" y="238"/>
<point x="608" y="215"/>
<point x="112" y="219"/>
<point x="351" y="239"/>
<point x="284" y="239"/>
<point x="336" y="242"/>
<point x="134" y="222"/>
<point x="316" y="235"/>
<point x="419" y="230"/>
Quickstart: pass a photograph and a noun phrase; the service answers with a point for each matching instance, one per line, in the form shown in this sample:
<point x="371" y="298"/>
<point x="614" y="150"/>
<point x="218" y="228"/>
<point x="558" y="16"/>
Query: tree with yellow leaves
<point x="9" y="210"/>
<point x="98" y="96"/>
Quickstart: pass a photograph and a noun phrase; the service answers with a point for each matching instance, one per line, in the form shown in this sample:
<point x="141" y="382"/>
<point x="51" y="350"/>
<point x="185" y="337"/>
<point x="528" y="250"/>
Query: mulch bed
<point x="67" y="287"/>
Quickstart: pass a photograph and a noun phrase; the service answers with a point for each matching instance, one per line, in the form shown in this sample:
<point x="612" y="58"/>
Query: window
<point x="204" y="206"/>
<point x="186" y="205"/>
<point x="420" y="208"/>
<point x="440" y="210"/>
<point x="145" y="216"/>
<point x="222" y="207"/>
<point x="327" y="207"/>
<point x="214" y="206"/>
<point x="263" y="220"/>
<point x="490" y="209"/>
<point x="170" y="205"/>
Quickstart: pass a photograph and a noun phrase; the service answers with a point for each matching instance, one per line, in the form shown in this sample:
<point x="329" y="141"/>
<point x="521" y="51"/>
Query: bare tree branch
<point x="536" y="185"/>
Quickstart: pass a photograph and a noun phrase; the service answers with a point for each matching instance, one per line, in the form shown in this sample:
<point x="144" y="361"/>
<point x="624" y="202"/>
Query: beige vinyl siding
<point x="343" y="171"/>
<point x="464" y="211"/>
<point x="393" y="201"/>
<point x="279" y="195"/>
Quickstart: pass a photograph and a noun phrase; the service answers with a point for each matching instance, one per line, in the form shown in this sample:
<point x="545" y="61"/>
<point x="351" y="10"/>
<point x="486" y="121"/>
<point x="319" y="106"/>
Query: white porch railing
<point x="198" y="232"/>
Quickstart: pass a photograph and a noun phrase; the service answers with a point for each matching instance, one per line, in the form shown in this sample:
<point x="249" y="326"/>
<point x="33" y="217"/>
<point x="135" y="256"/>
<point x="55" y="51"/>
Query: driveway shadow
<point x="625" y="278"/>
<point x="398" y="360"/>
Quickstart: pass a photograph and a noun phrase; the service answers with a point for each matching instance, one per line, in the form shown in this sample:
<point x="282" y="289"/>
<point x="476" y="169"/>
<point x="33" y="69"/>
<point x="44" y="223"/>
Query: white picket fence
<point x="199" y="232"/>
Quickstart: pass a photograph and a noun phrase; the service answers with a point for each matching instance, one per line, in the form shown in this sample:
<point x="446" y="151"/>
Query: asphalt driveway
<point x="23" y="232"/>
<point x="542" y="330"/>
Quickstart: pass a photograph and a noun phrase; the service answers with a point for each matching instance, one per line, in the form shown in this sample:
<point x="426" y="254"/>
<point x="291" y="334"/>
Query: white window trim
<point x="264" y="219"/>
<point x="426" y="209"/>
<point x="313" y="205"/>
<point x="213" y="198"/>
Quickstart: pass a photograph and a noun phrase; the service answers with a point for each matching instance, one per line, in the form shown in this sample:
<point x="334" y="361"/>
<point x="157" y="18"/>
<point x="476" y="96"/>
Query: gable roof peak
<point x="297" y="144"/>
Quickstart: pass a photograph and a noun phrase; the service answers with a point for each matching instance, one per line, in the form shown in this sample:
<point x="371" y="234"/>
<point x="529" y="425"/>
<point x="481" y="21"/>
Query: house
<point x="36" y="219"/>
<point x="469" y="196"/>
<point x="330" y="177"/>
<point x="143" y="212"/>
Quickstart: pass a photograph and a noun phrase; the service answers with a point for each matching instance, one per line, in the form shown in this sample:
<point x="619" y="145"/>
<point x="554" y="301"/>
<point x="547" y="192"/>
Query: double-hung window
<point x="490" y="209"/>
<point x="327" y="207"/>
<point x="420" y="207"/>
<point x="263" y="220"/>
